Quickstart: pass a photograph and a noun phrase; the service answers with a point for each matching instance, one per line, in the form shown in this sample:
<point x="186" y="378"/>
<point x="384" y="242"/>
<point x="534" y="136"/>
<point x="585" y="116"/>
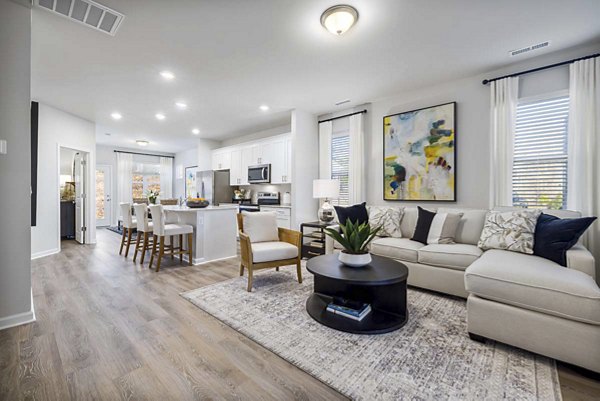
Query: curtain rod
<point x="142" y="154"/>
<point x="516" y="74"/>
<point x="345" y="115"/>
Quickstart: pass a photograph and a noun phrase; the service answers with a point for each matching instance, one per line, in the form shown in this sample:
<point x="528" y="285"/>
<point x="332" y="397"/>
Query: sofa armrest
<point x="245" y="249"/>
<point x="329" y="242"/>
<point x="579" y="258"/>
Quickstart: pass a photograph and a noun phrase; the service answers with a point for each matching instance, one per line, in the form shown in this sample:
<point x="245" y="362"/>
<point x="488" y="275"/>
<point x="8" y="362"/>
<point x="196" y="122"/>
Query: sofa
<point x="514" y="298"/>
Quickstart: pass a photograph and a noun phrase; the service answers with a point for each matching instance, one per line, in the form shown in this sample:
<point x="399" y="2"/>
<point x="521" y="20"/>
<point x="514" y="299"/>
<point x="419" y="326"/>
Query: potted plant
<point x="152" y="196"/>
<point x="355" y="238"/>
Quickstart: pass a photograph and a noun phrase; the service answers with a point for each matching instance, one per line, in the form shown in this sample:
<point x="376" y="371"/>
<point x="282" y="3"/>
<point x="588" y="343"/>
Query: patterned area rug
<point x="430" y="358"/>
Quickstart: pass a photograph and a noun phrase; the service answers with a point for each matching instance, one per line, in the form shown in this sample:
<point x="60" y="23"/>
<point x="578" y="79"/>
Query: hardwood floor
<point x="109" y="329"/>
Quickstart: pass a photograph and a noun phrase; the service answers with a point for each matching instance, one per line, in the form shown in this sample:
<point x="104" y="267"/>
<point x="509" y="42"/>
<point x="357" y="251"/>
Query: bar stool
<point x="129" y="224"/>
<point x="144" y="229"/>
<point x="162" y="230"/>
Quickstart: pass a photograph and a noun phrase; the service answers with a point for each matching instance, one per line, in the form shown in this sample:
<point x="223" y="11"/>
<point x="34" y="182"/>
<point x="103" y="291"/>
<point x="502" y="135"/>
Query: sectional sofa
<point x="518" y="299"/>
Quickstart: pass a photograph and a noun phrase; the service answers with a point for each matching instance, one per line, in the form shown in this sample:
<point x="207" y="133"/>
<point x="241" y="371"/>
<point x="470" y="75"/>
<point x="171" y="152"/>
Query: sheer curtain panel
<point x="325" y="132"/>
<point x="166" y="177"/>
<point x="124" y="177"/>
<point x="356" y="171"/>
<point x="583" y="193"/>
<point x="503" y="101"/>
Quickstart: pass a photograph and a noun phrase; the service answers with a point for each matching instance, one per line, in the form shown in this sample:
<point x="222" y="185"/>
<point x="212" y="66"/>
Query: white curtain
<point x="166" y="177"/>
<point x="583" y="182"/>
<point x="124" y="177"/>
<point x="325" y="130"/>
<point x="503" y="100"/>
<point x="356" y="171"/>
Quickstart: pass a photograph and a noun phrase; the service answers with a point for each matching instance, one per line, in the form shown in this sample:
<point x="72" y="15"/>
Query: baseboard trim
<point x="42" y="254"/>
<point x="18" y="319"/>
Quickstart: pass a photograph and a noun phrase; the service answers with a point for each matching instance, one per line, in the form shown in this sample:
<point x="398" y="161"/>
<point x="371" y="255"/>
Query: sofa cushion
<point x="470" y="225"/>
<point x="275" y="250"/>
<point x="452" y="256"/>
<point x="423" y="225"/>
<point x="355" y="213"/>
<point x="396" y="248"/>
<point x="535" y="283"/>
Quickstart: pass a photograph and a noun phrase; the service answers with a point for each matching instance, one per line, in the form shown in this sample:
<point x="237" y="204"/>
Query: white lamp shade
<point x="326" y="189"/>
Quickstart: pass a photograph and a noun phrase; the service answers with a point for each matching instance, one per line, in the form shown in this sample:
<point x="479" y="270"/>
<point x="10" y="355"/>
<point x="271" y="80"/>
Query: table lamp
<point x="326" y="189"/>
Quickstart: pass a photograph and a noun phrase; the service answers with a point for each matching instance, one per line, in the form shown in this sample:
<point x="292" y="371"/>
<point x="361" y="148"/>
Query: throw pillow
<point x="436" y="228"/>
<point x="355" y="213"/>
<point x="261" y="226"/>
<point x="511" y="231"/>
<point x="388" y="218"/>
<point x="554" y="236"/>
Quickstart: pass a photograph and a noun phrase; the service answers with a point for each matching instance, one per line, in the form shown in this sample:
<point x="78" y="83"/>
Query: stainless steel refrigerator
<point x="214" y="186"/>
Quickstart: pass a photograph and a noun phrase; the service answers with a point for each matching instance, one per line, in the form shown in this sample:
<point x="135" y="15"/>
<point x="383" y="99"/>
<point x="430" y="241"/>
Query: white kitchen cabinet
<point x="287" y="175"/>
<point x="235" y="170"/>
<point x="250" y="157"/>
<point x="284" y="215"/>
<point x="221" y="159"/>
<point x="273" y="152"/>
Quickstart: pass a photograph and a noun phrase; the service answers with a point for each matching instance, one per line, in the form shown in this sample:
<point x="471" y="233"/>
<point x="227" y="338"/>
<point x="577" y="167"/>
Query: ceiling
<point x="229" y="57"/>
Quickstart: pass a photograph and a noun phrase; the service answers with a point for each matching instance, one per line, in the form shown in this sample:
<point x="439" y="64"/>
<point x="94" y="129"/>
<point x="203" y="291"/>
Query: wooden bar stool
<point x="144" y="231"/>
<point x="129" y="224"/>
<point x="162" y="230"/>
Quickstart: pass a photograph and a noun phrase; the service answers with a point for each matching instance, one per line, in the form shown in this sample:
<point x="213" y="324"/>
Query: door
<point x="103" y="195"/>
<point x="79" y="170"/>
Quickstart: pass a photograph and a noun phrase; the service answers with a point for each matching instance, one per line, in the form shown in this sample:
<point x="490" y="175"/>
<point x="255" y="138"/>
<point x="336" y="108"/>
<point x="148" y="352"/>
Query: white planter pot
<point x="355" y="260"/>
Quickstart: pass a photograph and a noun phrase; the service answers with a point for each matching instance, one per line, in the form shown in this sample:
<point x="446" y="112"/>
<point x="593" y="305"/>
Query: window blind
<point x="540" y="154"/>
<point x="340" y="164"/>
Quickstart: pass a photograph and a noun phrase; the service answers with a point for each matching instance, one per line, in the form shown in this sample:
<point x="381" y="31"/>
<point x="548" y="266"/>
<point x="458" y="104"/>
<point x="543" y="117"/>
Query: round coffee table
<point x="382" y="283"/>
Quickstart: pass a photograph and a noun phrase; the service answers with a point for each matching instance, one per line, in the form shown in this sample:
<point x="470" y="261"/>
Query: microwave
<point x="259" y="174"/>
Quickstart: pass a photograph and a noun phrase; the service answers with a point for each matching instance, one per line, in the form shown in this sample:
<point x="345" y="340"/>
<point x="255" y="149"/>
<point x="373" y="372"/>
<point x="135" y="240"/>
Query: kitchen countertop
<point x="198" y="209"/>
<point x="282" y="206"/>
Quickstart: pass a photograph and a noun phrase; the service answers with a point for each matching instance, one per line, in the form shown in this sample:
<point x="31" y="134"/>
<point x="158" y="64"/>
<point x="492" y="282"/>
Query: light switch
<point x="3" y="147"/>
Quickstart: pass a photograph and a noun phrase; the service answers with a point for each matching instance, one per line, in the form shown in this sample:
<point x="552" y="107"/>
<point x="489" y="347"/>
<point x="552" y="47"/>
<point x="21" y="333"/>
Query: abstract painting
<point x="419" y="150"/>
<point x="190" y="182"/>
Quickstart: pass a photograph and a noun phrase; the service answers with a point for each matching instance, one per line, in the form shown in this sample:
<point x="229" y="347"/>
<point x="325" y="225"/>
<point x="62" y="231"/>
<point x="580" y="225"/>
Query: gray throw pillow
<point x="443" y="228"/>
<point x="511" y="231"/>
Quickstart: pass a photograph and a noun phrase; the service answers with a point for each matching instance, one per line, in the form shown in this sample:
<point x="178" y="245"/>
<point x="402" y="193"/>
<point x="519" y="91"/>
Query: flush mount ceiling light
<point x="195" y="131"/>
<point x="168" y="75"/>
<point x="264" y="107"/>
<point x="338" y="19"/>
<point x="181" y="105"/>
<point x="142" y="142"/>
<point x="159" y="116"/>
<point x="116" y="116"/>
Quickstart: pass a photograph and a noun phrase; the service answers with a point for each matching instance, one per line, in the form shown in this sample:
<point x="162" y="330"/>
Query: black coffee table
<point x="382" y="283"/>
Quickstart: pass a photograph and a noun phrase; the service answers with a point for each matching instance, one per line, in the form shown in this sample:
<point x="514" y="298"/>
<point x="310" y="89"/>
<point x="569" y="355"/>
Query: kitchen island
<point x="215" y="230"/>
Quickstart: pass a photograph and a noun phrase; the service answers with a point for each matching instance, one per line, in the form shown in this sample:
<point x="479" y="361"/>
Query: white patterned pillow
<point x="511" y="231"/>
<point x="388" y="218"/>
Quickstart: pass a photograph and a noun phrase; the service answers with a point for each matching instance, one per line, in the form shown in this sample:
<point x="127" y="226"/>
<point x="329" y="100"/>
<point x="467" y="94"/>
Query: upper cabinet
<point x="276" y="151"/>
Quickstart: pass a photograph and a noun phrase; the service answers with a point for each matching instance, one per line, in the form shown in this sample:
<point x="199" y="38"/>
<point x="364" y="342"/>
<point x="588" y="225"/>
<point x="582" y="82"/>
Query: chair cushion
<point x="452" y="256"/>
<point x="176" y="229"/>
<point x="396" y="248"/>
<point x="535" y="283"/>
<point x="133" y="223"/>
<point x="273" y="250"/>
<point x="261" y="226"/>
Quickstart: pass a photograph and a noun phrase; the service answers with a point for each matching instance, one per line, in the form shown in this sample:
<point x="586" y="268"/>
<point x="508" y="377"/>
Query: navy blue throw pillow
<point x="424" y="221"/>
<point x="554" y="236"/>
<point x="353" y="213"/>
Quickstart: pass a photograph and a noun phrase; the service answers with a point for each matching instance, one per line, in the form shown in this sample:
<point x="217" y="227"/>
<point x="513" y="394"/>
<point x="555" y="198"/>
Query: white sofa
<point x="522" y="300"/>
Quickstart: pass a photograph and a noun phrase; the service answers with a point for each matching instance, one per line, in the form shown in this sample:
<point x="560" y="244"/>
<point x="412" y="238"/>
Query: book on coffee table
<point x="349" y="309"/>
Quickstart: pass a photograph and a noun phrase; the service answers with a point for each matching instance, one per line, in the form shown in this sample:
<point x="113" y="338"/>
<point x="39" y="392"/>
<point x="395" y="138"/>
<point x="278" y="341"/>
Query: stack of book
<point x="349" y="309"/>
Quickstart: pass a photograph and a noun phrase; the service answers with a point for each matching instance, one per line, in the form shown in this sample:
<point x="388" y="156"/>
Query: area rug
<point x="430" y="358"/>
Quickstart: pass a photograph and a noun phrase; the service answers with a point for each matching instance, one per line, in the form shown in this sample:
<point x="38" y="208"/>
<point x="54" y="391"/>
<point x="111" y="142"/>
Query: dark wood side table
<point x="382" y="284"/>
<point x="313" y="238"/>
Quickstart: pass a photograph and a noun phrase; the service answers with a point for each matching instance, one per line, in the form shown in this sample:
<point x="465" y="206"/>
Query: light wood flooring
<point x="107" y="329"/>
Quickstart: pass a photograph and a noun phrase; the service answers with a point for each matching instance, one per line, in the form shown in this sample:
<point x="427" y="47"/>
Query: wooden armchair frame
<point x="285" y="235"/>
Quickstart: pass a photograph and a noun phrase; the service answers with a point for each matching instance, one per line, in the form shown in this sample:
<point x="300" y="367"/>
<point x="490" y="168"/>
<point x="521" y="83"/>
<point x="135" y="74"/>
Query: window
<point x="340" y="163"/>
<point x="540" y="153"/>
<point x="146" y="177"/>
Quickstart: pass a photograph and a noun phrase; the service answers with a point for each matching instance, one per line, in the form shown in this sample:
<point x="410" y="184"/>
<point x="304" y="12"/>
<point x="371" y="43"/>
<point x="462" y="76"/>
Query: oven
<point x="259" y="174"/>
<point x="248" y="207"/>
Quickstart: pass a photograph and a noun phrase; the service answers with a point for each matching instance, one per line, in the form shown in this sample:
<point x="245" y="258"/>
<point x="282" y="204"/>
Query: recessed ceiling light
<point x="181" y="105"/>
<point x="168" y="75"/>
<point x="338" y="19"/>
<point x="142" y="142"/>
<point x="264" y="107"/>
<point x="159" y="116"/>
<point x="116" y="116"/>
<point x="195" y="131"/>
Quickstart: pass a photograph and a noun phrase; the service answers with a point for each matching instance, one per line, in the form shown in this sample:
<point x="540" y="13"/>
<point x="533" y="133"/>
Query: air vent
<point x="516" y="52"/>
<point x="86" y="12"/>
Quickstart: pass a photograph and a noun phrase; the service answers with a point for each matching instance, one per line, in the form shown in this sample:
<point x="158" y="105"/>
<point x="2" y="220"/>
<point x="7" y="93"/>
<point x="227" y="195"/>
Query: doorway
<point x="73" y="194"/>
<point x="103" y="195"/>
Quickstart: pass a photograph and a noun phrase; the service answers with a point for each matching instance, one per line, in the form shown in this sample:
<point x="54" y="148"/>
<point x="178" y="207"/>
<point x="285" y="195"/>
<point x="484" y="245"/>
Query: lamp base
<point x="326" y="212"/>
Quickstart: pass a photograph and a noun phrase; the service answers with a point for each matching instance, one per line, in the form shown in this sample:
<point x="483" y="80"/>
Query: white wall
<point x="16" y="305"/>
<point x="105" y="155"/>
<point x="247" y="137"/>
<point x="305" y="166"/>
<point x="60" y="129"/>
<point x="472" y="130"/>
<point x="187" y="158"/>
